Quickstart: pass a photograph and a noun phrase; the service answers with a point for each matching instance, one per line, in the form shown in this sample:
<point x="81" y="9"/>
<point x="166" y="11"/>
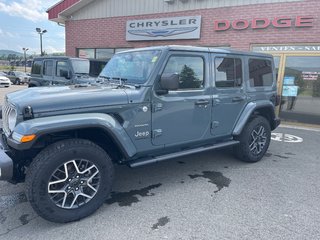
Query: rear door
<point x="229" y="97"/>
<point x="47" y="72"/>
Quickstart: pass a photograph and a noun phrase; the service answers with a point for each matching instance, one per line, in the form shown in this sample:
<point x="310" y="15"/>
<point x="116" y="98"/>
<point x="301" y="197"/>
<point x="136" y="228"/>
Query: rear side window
<point x="190" y="70"/>
<point x="260" y="73"/>
<point x="62" y="69"/>
<point x="228" y="72"/>
<point x="48" y="68"/>
<point x="36" y="67"/>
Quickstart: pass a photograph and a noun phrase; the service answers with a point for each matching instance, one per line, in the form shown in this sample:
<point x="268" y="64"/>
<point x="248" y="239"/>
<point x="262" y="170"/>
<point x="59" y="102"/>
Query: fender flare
<point x="54" y="124"/>
<point x="247" y="113"/>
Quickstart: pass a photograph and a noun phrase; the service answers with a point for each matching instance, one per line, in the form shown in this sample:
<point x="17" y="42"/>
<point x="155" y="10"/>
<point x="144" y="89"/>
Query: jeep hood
<point x="50" y="99"/>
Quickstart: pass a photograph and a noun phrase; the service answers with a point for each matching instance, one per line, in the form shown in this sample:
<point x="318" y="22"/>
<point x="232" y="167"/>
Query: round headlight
<point x="12" y="119"/>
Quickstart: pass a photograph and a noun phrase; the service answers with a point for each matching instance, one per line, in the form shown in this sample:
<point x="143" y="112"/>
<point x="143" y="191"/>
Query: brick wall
<point x="110" y="33"/>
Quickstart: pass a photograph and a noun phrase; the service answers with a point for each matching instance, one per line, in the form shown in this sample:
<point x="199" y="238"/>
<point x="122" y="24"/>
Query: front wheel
<point x="254" y="140"/>
<point x="69" y="180"/>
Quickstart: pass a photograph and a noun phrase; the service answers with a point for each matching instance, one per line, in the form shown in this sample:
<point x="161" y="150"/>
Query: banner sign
<point x="164" y="28"/>
<point x="287" y="48"/>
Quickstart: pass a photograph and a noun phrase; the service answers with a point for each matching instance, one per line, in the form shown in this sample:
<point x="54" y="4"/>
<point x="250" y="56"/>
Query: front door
<point x="229" y="98"/>
<point x="183" y="115"/>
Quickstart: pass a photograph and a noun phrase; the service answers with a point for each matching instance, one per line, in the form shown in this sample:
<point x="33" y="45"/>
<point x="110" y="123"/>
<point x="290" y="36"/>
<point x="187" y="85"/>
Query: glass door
<point x="300" y="91"/>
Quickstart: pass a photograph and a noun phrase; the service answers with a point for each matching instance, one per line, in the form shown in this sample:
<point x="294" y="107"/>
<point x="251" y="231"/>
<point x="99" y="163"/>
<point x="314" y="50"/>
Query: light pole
<point x="41" y="32"/>
<point x="25" y="58"/>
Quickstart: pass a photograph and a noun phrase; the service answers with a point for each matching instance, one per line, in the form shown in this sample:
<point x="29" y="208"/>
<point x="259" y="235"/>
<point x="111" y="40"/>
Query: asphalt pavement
<point x="202" y="196"/>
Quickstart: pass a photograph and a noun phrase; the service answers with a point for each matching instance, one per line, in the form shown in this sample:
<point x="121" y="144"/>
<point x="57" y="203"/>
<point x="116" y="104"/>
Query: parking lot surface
<point x="202" y="196"/>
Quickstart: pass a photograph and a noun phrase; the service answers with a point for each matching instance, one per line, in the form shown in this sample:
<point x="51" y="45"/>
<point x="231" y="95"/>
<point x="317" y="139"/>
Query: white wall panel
<point x="113" y="8"/>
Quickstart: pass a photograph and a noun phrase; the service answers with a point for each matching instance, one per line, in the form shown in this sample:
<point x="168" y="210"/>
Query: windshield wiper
<point x="121" y="83"/>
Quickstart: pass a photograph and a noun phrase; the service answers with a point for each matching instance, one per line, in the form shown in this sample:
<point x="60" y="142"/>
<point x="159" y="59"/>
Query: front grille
<point x="6" y="109"/>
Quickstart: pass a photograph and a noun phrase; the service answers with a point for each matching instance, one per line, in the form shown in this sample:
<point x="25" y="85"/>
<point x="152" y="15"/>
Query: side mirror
<point x="169" y="81"/>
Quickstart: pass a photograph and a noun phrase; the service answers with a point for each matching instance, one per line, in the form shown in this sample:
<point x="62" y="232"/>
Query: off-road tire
<point x="242" y="151"/>
<point x="48" y="160"/>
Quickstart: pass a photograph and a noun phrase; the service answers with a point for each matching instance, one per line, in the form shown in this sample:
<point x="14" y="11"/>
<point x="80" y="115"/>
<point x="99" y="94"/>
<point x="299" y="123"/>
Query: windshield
<point x="20" y="74"/>
<point x="80" y="66"/>
<point x="133" y="67"/>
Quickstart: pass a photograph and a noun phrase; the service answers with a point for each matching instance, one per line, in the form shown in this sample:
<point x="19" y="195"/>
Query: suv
<point x="47" y="71"/>
<point x="154" y="104"/>
<point x="17" y="77"/>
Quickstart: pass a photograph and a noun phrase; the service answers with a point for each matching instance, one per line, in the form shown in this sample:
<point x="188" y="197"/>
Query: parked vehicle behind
<point x="4" y="81"/>
<point x="154" y="104"/>
<point x="17" y="77"/>
<point x="51" y="70"/>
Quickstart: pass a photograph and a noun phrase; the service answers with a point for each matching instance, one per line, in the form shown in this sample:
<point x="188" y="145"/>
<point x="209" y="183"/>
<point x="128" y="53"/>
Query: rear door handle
<point x="201" y="102"/>
<point x="238" y="99"/>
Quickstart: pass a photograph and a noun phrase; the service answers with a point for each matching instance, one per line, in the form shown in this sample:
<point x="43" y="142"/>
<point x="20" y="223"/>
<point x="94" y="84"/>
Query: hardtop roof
<point x="201" y="49"/>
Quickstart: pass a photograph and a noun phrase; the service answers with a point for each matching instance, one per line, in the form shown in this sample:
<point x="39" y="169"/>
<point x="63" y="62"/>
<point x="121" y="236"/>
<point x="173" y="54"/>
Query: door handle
<point x="238" y="99"/>
<point x="201" y="102"/>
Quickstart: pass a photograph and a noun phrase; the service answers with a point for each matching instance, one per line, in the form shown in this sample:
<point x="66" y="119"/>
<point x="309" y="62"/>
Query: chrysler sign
<point x="164" y="28"/>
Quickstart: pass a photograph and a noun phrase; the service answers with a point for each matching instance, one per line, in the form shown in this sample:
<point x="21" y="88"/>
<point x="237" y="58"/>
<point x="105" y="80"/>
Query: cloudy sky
<point x="18" y="22"/>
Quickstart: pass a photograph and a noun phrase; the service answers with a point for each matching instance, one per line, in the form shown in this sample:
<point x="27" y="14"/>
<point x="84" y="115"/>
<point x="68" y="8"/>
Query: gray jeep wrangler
<point x="154" y="104"/>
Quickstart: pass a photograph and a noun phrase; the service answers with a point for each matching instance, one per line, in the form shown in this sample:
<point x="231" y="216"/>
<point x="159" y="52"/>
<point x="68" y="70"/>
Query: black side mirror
<point x="169" y="81"/>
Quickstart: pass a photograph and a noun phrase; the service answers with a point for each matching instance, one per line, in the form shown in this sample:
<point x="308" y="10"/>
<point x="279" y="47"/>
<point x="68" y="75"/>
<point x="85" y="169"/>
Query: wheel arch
<point x="259" y="108"/>
<point x="102" y="129"/>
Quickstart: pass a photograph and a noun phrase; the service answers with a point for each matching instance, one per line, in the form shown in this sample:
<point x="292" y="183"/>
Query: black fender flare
<point x="54" y="124"/>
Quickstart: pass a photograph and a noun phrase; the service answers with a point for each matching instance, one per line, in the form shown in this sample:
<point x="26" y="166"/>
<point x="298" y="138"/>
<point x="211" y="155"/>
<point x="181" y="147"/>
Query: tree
<point x="188" y="78"/>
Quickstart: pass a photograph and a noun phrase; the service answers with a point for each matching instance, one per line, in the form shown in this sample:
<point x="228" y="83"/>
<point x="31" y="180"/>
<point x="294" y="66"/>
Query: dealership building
<point x="287" y="29"/>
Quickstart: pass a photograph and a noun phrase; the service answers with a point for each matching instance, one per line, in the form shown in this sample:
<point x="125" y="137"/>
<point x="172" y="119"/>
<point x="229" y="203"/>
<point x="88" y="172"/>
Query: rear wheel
<point x="69" y="180"/>
<point x="254" y="140"/>
<point x="17" y="81"/>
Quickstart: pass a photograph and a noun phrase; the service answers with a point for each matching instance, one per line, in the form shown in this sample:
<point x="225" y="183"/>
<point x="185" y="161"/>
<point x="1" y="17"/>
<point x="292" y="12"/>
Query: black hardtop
<point x="201" y="49"/>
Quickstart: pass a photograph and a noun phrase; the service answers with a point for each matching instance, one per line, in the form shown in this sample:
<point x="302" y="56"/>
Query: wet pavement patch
<point x="161" y="222"/>
<point x="24" y="219"/>
<point x="12" y="200"/>
<point x="2" y="218"/>
<point x="181" y="162"/>
<point x="291" y="154"/>
<point x="214" y="177"/>
<point x="268" y="154"/>
<point x="128" y="198"/>
<point x="280" y="156"/>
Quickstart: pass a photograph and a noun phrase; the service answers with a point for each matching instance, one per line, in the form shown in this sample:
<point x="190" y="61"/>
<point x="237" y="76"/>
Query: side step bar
<point x="180" y="154"/>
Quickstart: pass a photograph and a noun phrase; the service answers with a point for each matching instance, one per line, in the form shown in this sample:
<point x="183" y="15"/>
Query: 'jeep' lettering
<point x="261" y="23"/>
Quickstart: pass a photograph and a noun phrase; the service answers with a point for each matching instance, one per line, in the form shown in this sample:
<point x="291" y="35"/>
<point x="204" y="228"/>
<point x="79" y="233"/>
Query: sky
<point x="18" y="22"/>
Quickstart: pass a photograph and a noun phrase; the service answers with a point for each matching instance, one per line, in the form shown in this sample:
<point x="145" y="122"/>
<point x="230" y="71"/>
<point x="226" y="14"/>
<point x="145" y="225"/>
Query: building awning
<point x="64" y="9"/>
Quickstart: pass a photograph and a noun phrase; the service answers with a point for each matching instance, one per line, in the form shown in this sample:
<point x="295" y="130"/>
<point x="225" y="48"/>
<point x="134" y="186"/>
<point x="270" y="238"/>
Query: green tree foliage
<point x="188" y="78"/>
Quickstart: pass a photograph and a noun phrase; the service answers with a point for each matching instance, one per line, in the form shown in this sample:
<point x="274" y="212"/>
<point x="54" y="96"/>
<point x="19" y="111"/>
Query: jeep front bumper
<point x="6" y="163"/>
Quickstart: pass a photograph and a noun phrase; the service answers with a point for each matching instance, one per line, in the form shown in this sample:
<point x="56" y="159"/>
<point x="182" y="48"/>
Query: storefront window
<point x="104" y="53"/>
<point x="86" y="53"/>
<point x="301" y="90"/>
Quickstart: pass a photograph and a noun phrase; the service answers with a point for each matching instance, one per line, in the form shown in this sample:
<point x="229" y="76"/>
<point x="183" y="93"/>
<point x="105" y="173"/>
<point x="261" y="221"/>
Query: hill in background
<point x="7" y="52"/>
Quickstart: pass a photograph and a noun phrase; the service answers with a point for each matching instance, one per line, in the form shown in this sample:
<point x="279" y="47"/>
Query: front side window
<point x="48" y="68"/>
<point x="131" y="67"/>
<point x="62" y="69"/>
<point x="36" y="67"/>
<point x="228" y="72"/>
<point x="260" y="73"/>
<point x="190" y="70"/>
